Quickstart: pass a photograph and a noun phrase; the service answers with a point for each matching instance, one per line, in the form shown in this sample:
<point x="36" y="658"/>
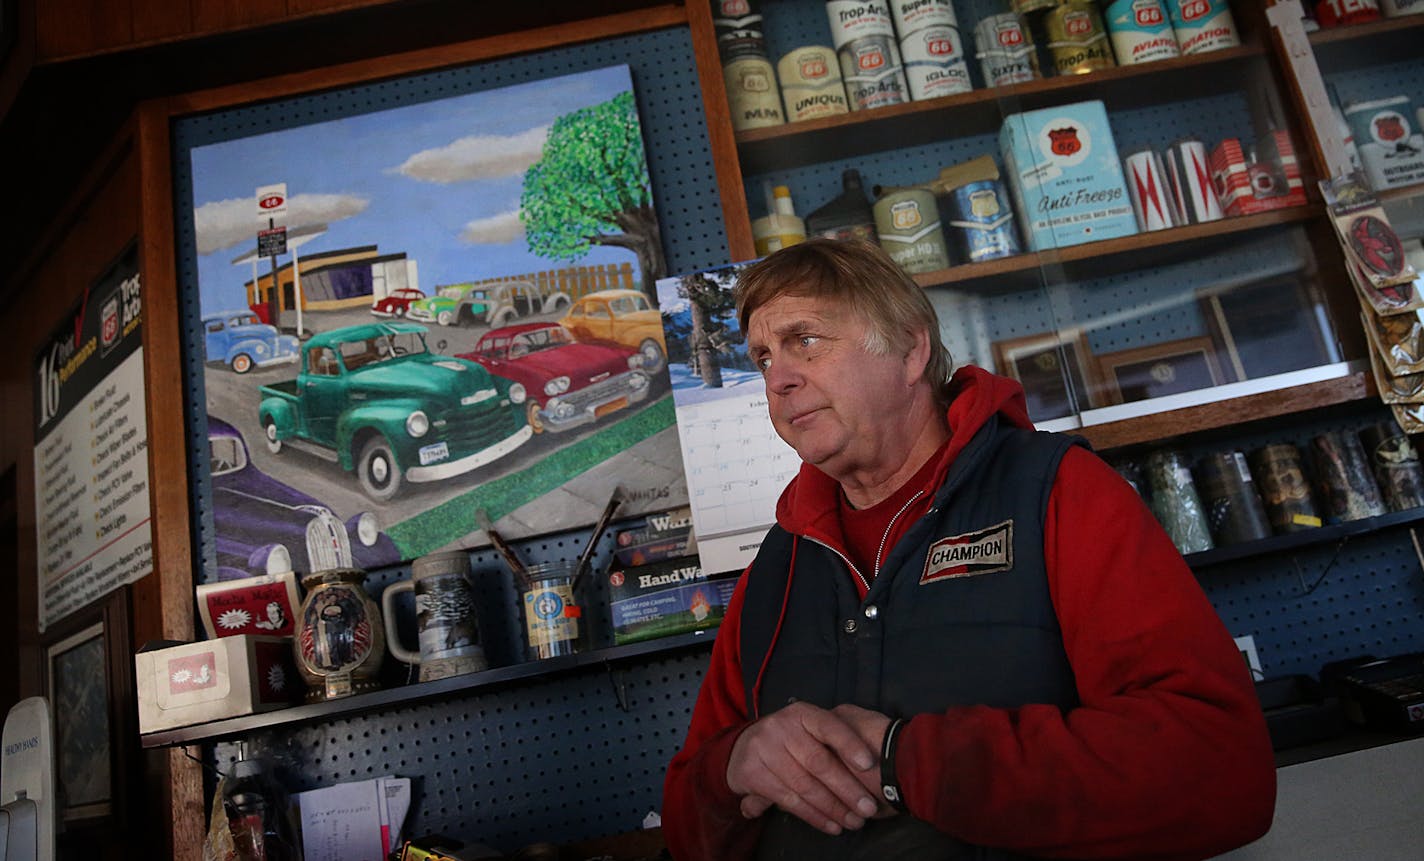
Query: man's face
<point x="833" y="401"/>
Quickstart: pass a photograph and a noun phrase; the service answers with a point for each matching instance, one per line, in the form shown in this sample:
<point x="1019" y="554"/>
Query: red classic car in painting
<point x="569" y="384"/>
<point x="396" y="303"/>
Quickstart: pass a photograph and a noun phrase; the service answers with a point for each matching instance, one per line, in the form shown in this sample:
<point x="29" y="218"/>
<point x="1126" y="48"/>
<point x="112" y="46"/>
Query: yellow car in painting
<point x="625" y="317"/>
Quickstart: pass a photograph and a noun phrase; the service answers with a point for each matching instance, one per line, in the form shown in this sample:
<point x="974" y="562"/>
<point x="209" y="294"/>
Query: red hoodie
<point x="1167" y="755"/>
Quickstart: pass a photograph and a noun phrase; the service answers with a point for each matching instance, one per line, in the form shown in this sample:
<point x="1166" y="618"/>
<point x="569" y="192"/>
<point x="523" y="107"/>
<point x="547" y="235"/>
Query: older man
<point x="963" y="638"/>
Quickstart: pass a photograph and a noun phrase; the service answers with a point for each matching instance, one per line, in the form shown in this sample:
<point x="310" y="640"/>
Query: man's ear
<point x="918" y="356"/>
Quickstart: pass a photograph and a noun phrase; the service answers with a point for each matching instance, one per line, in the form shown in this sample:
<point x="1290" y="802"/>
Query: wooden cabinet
<point x="1112" y="297"/>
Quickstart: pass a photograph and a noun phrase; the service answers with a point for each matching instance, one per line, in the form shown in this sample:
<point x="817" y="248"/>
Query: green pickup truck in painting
<point x="373" y="399"/>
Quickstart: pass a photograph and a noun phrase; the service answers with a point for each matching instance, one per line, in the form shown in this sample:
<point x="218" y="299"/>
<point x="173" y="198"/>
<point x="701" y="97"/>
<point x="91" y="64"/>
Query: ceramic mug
<point x="444" y="614"/>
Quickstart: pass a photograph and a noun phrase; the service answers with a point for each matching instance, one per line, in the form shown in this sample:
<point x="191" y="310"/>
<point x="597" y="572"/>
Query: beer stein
<point x="340" y="642"/>
<point x="448" y="632"/>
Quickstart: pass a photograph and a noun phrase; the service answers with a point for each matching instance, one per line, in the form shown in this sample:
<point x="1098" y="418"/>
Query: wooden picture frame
<point x="88" y="674"/>
<point x="1038" y="362"/>
<point x="1158" y="370"/>
<point x="1257" y="328"/>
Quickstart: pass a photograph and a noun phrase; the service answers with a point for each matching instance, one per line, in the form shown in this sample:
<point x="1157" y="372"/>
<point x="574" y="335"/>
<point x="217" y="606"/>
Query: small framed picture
<point x="1266" y="327"/>
<point x="87" y="678"/>
<point x="1160" y="369"/>
<point x="1056" y="369"/>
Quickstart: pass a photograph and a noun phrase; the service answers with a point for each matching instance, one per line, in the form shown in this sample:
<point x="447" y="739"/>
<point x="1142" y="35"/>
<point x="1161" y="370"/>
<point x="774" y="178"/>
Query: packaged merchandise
<point x="934" y="62"/>
<point x="1175" y="502"/>
<point x="1334" y="13"/>
<point x="666" y="598"/>
<point x="872" y="72"/>
<point x="1141" y="32"/>
<point x="782" y="228"/>
<point x="1269" y="179"/>
<point x="1391" y="149"/>
<point x="1064" y="176"/>
<point x="1077" y="40"/>
<point x="1189" y="174"/>
<point x="738" y="26"/>
<point x="1396" y="465"/>
<point x="1151" y="193"/>
<point x="664" y="536"/>
<point x="1400" y="8"/>
<point x="1280" y="477"/>
<point x="847" y="216"/>
<point x="752" y="94"/>
<point x="1007" y="54"/>
<point x="190" y="683"/>
<point x="1203" y="25"/>
<point x="908" y="226"/>
<point x="1343" y="477"/>
<point x="811" y="83"/>
<point x="1234" y="509"/>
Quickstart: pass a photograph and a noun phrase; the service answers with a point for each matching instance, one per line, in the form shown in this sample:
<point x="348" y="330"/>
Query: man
<point x="963" y="638"/>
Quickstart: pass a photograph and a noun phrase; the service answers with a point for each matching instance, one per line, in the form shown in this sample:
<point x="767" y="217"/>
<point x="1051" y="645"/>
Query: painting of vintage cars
<point x="373" y="398"/>
<point x="397" y="302"/>
<point x="266" y="527"/>
<point x="241" y="341"/>
<point x="623" y="317"/>
<point x="567" y="384"/>
<point x="433" y="247"/>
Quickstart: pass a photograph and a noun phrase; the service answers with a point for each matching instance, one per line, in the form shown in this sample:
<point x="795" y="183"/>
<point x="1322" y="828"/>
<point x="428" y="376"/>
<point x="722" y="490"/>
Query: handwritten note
<point x="358" y="821"/>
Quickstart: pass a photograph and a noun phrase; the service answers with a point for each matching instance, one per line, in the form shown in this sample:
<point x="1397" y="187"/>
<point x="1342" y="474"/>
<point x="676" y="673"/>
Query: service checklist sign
<point x="91" y="449"/>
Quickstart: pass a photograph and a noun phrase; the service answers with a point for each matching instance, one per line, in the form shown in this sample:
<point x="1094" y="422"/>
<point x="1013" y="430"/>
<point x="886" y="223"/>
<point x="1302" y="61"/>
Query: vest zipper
<point x="879" y="551"/>
<point x="851" y="565"/>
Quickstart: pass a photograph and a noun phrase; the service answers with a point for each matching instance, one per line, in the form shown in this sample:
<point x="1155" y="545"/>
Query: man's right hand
<point x="803" y="759"/>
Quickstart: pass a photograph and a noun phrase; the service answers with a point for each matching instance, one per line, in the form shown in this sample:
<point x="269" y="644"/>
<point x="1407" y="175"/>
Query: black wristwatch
<point x="889" y="783"/>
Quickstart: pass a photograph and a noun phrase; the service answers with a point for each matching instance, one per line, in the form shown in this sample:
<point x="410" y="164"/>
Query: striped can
<point x="934" y="63"/>
<point x="858" y="19"/>
<point x="811" y="83"/>
<point x="873" y="76"/>
<point x="752" y="93"/>
<point x="1006" y="51"/>
<point x="1076" y="39"/>
<point x="1150" y="191"/>
<point x="981" y="222"/>
<point x="738" y="25"/>
<point x="1189" y="174"/>
<point x="1203" y="25"/>
<point x="1141" y="32"/>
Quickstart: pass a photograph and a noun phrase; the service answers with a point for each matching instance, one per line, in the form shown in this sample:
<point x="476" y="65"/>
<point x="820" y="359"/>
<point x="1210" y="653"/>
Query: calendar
<point x="735" y="463"/>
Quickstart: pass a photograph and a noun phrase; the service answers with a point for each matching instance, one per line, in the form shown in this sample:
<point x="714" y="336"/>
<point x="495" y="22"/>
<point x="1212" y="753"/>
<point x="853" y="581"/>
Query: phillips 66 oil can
<point x="811" y="83"/>
<point x="1076" y="39"/>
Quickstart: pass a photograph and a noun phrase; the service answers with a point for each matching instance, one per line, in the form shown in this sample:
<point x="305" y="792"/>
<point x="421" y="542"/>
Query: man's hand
<point x="870" y="726"/>
<point x="809" y="762"/>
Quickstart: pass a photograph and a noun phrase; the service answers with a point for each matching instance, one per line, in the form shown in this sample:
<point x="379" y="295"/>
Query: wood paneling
<point x="76" y="28"/>
<point x="218" y="16"/>
<point x="160" y="20"/>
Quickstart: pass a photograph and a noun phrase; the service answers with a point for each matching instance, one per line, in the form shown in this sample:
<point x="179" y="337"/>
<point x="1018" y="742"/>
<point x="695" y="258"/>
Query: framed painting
<point x="1158" y="370"/>
<point x="88" y="680"/>
<point x="421" y="319"/>
<point x="1056" y="369"/>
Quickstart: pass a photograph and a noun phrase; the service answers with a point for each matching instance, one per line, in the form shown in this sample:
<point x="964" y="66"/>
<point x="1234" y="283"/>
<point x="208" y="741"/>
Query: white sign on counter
<point x="91" y="450"/>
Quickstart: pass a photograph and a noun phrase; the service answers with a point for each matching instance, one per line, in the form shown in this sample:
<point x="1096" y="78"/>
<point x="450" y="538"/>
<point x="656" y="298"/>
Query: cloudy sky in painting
<point x="439" y="181"/>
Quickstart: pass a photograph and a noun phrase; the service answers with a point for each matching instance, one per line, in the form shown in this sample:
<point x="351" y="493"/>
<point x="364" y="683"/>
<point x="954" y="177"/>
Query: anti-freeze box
<point x="1065" y="176"/>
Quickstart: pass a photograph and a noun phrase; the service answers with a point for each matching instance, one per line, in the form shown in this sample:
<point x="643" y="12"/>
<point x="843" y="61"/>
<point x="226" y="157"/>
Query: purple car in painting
<point x="266" y="527"/>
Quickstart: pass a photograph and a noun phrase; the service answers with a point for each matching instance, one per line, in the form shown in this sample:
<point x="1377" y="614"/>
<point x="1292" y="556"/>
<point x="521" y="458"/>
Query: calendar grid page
<point x="735" y="463"/>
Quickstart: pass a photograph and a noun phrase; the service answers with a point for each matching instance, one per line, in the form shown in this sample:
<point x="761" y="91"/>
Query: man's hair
<point x="863" y="280"/>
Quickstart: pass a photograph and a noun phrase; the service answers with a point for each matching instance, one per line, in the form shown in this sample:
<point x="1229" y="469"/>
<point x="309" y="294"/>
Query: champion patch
<point x="984" y="551"/>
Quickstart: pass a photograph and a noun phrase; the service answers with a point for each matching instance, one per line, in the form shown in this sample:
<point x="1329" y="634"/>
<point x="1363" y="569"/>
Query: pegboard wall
<point x="1324" y="602"/>
<point x="582" y="754"/>
<point x="574" y="757"/>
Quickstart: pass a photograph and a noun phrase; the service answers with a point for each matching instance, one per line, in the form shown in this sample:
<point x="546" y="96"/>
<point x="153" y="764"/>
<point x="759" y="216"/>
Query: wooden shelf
<point x="1145" y="249"/>
<point x="1387" y="40"/>
<point x="1401" y="192"/>
<point x="409" y="694"/>
<point x="1160" y="427"/>
<point x="1293" y="540"/>
<point x="982" y="111"/>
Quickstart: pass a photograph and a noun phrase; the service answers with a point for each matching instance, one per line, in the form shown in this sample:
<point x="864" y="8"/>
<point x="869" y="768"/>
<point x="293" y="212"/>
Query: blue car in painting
<point x="266" y="527"/>
<point x="240" y="340"/>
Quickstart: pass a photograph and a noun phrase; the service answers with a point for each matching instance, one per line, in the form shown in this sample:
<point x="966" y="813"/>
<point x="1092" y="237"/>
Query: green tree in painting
<point x="591" y="187"/>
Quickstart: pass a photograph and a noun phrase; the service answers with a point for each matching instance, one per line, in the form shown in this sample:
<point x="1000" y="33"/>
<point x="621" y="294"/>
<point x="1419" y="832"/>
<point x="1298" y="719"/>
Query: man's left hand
<point x="870" y="726"/>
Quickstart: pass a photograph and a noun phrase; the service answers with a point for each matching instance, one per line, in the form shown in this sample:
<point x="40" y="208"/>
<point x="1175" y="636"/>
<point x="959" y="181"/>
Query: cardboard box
<point x="1231" y="174"/>
<point x="214" y="679"/>
<point x="1065" y="176"/>
<point x="665" y="536"/>
<point x="665" y="598"/>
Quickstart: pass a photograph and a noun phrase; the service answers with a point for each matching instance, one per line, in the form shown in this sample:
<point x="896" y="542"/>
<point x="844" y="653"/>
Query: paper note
<point x="342" y="822"/>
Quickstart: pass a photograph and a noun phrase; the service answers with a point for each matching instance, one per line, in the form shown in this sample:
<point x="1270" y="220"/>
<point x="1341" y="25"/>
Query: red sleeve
<point x="1167" y="755"/>
<point x="702" y="817"/>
